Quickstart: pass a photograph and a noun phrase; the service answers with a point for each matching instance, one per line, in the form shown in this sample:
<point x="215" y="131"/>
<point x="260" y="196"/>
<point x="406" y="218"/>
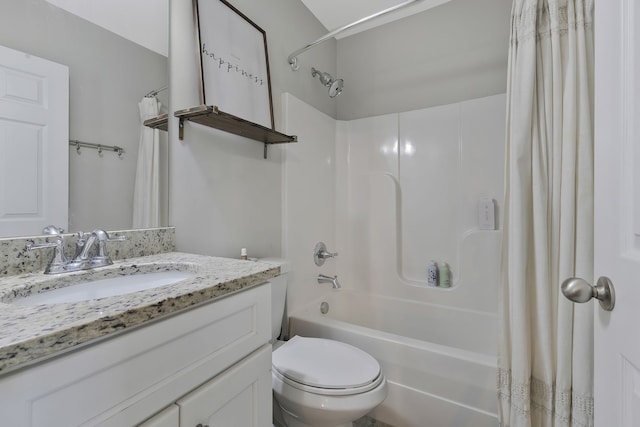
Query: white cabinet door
<point x="34" y="143"/>
<point x="239" y="397"/>
<point x="169" y="417"/>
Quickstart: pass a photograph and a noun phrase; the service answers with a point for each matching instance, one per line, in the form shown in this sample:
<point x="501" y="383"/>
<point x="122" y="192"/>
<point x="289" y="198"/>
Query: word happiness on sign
<point x="230" y="66"/>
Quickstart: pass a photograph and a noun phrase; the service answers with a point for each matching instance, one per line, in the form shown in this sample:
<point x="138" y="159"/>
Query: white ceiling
<point x="334" y="14"/>
<point x="146" y="22"/>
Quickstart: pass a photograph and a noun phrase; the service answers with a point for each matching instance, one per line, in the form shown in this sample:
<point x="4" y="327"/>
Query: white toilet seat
<point x="325" y="367"/>
<point x="329" y="391"/>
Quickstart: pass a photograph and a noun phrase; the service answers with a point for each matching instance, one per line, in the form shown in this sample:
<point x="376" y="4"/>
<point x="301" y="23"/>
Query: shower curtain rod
<point x="293" y="58"/>
<point x="155" y="92"/>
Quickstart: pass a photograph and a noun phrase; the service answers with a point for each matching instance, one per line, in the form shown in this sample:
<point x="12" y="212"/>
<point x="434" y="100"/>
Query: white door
<point x="617" y="211"/>
<point x="34" y="143"/>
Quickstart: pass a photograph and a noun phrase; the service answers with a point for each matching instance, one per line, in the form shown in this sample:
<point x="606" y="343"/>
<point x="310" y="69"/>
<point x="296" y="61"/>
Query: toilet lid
<point x="324" y="363"/>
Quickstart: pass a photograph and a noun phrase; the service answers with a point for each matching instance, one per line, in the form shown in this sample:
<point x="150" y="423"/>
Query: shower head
<point x="335" y="85"/>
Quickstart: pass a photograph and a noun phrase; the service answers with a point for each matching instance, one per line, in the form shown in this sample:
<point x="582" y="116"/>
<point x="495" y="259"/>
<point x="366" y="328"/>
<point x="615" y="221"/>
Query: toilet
<point x="319" y="382"/>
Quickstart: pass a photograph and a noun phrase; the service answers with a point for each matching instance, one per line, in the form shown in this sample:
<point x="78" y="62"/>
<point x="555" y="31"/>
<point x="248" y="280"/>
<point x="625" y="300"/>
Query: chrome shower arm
<point x="293" y="58"/>
<point x="325" y="78"/>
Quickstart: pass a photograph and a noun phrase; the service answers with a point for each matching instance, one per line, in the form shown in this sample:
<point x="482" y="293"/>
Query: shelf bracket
<point x="265" y="150"/>
<point x="181" y="129"/>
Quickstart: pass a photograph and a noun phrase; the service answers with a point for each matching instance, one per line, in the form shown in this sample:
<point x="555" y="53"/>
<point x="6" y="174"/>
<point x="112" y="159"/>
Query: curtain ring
<point x="78" y="147"/>
<point x="100" y="150"/>
<point x="120" y="151"/>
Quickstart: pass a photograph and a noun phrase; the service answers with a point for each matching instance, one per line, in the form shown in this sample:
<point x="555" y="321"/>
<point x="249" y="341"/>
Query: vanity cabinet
<point x="210" y="365"/>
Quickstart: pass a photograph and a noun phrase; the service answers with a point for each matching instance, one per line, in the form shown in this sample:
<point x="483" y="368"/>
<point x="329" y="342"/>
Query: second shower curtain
<point x="146" y="194"/>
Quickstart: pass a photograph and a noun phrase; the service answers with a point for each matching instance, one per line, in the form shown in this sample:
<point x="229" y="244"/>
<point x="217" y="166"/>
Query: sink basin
<point x="102" y="288"/>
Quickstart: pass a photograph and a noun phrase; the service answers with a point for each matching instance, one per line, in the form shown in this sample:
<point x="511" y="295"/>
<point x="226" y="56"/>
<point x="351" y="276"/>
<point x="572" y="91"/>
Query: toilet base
<point x="282" y="418"/>
<point x="291" y="420"/>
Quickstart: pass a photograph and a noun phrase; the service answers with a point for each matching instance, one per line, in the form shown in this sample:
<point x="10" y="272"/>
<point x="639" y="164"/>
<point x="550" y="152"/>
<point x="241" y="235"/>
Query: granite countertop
<point x="29" y="334"/>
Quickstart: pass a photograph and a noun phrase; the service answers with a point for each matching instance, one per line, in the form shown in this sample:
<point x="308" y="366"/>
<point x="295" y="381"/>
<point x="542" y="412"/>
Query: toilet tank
<point x="278" y="295"/>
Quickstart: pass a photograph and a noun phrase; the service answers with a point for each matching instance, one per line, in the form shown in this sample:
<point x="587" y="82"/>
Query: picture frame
<point x="234" y="62"/>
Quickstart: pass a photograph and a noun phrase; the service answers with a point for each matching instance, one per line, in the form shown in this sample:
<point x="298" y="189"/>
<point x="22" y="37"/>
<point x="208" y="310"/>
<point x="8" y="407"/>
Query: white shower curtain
<point x="146" y="194"/>
<point x="546" y="342"/>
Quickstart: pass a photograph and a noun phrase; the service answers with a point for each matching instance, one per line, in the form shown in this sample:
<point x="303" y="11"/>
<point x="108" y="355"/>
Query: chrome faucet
<point x="328" y="279"/>
<point x="84" y="258"/>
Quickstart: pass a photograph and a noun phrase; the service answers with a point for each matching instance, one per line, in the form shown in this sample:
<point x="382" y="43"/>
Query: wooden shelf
<point x="211" y="116"/>
<point x="159" y="122"/>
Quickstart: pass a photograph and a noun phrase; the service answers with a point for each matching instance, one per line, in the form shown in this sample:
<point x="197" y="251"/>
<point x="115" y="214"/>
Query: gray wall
<point x="108" y="76"/>
<point x="224" y="195"/>
<point x="450" y="53"/>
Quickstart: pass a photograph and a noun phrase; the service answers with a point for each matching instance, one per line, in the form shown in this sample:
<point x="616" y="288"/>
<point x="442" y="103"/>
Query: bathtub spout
<point x="328" y="279"/>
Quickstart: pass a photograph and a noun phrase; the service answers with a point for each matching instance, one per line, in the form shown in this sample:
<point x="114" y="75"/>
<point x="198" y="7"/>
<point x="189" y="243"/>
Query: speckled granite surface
<point x="16" y="259"/>
<point x="28" y="334"/>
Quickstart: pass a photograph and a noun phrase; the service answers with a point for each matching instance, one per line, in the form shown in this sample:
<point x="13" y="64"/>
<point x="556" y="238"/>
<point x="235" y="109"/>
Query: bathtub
<point x="439" y="362"/>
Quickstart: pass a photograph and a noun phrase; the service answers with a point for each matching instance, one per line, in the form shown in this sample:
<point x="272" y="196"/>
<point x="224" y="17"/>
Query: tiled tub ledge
<point x="31" y="334"/>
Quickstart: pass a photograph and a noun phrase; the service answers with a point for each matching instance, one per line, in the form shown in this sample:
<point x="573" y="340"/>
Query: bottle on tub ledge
<point x="444" y="275"/>
<point x="243" y="254"/>
<point x="432" y="274"/>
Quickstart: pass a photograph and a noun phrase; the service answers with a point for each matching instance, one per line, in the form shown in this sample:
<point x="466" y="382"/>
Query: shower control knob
<point x="579" y="290"/>
<point x="320" y="253"/>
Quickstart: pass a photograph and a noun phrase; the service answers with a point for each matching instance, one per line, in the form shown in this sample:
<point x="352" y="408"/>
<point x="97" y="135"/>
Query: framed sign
<point x="234" y="63"/>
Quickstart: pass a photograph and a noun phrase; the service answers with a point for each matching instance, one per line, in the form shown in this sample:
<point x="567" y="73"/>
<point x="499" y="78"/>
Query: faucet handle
<point x="320" y="253"/>
<point x="117" y="239"/>
<point x="327" y="254"/>
<point x="58" y="261"/>
<point x="31" y="245"/>
<point x="52" y="230"/>
<point x="102" y="257"/>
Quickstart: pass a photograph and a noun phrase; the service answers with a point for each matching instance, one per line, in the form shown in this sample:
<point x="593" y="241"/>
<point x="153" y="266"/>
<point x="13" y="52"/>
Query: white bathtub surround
<point x="408" y="188"/>
<point x="546" y="346"/>
<point x="364" y="188"/>
<point x="439" y="369"/>
<point x="309" y="202"/>
<point x="404" y="189"/>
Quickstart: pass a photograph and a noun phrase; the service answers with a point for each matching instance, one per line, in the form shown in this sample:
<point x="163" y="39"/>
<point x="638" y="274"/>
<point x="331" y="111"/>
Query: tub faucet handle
<point x="320" y="253"/>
